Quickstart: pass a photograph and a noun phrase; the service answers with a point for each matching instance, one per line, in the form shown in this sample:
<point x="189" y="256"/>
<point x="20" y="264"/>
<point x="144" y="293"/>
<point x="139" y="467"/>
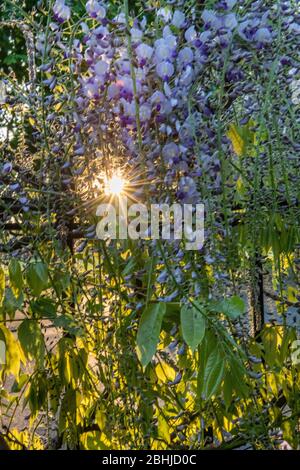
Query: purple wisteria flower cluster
<point x="155" y="97"/>
<point x="160" y="91"/>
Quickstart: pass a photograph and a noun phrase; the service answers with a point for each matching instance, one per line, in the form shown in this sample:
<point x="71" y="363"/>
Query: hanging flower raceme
<point x="61" y="11"/>
<point x="95" y="10"/>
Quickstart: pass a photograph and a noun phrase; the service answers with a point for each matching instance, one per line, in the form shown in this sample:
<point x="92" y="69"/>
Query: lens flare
<point x="115" y="185"/>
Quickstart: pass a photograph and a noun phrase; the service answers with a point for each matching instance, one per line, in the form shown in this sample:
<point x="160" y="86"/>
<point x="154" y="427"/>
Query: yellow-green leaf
<point x="2" y="284"/>
<point x="13" y="351"/>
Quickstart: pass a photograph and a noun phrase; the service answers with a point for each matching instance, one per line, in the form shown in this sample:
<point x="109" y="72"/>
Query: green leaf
<point x="232" y="308"/>
<point x="213" y="375"/>
<point x="271" y="342"/>
<point x="193" y="325"/>
<point x="289" y="335"/>
<point x="15" y="58"/>
<point x="11" y="304"/>
<point x="15" y="275"/>
<point x="94" y="440"/>
<point x="238" y="372"/>
<point x="43" y="307"/>
<point x="211" y="367"/>
<point x="163" y="429"/>
<point x="18" y="384"/>
<point x="172" y="316"/>
<point x="37" y="277"/>
<point x="38" y="392"/>
<point x="129" y="267"/>
<point x="32" y="340"/>
<point x="68" y="324"/>
<point x="228" y="389"/>
<point x="61" y="282"/>
<point x="149" y="331"/>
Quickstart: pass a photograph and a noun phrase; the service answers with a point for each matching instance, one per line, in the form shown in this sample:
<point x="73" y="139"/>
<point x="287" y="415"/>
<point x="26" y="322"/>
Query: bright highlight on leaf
<point x="237" y="141"/>
<point x="242" y="137"/>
